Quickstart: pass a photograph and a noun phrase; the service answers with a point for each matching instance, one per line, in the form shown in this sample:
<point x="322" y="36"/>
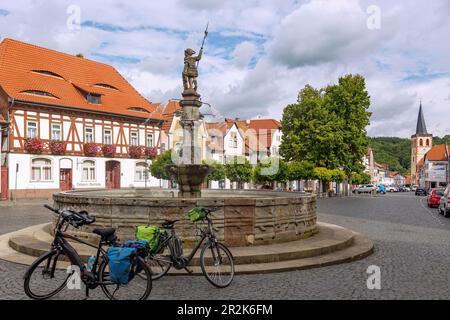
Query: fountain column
<point x="190" y="173"/>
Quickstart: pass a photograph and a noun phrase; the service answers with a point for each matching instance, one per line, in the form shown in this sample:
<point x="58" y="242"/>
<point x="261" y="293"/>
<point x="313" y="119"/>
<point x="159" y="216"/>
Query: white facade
<point x="130" y="172"/>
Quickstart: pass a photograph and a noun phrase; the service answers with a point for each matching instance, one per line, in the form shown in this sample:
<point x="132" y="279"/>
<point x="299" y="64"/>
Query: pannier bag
<point x="151" y="234"/>
<point x="142" y="248"/>
<point x="120" y="264"/>
<point x="197" y="214"/>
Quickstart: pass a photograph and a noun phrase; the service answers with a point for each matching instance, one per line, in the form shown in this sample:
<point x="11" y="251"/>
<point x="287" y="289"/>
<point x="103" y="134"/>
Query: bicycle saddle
<point x="168" y="224"/>
<point x="104" y="232"/>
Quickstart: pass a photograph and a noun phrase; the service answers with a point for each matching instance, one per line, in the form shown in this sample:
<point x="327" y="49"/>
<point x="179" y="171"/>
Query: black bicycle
<point x="54" y="270"/>
<point x="216" y="260"/>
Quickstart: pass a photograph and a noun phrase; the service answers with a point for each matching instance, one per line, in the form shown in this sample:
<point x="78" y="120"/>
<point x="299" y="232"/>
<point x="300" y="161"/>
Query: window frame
<point x="41" y="168"/>
<point x="35" y="128"/>
<point x="136" y="136"/>
<point x="60" y="131"/>
<point x="85" y="134"/>
<point x="105" y="135"/>
<point x="91" y="171"/>
<point x="149" y="134"/>
<point x="143" y="172"/>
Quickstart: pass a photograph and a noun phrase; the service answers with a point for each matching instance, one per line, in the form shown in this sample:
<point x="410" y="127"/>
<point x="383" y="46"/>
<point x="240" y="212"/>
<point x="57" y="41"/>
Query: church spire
<point x="421" y="128"/>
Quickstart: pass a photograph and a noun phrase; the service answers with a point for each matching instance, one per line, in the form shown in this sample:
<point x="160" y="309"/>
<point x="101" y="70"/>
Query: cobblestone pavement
<point x="412" y="249"/>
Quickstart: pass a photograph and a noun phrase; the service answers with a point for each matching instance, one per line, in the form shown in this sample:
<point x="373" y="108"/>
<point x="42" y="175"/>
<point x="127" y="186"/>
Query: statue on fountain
<point x="190" y="71"/>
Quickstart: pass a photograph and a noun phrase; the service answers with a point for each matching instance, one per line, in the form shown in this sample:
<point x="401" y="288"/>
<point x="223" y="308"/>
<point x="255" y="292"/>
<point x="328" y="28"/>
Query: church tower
<point x="421" y="143"/>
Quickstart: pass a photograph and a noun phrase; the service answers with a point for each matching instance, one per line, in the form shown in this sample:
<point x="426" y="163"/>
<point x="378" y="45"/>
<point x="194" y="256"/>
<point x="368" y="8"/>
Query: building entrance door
<point x="112" y="175"/>
<point x="65" y="179"/>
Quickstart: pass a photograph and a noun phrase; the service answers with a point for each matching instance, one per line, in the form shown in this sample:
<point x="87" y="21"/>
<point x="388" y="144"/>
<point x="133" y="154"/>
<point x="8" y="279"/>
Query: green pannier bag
<point x="197" y="214"/>
<point x="150" y="234"/>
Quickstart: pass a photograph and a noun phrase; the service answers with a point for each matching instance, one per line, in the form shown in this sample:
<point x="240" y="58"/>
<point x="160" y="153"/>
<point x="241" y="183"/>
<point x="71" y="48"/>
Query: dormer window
<point x="138" y="109"/>
<point x="48" y="73"/>
<point x="104" y="85"/>
<point x="40" y="93"/>
<point x="93" y="98"/>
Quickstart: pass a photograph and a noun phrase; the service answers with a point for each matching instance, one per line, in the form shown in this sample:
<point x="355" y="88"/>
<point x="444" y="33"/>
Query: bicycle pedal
<point x="189" y="271"/>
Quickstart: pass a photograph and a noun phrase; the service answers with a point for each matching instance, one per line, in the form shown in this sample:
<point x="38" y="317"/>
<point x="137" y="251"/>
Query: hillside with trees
<point x="396" y="152"/>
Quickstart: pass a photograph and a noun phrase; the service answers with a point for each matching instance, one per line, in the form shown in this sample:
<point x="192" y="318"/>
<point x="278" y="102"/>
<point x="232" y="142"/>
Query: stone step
<point x="330" y="238"/>
<point x="362" y="247"/>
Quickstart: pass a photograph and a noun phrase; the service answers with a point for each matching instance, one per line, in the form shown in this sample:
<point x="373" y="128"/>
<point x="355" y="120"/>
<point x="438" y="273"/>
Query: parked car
<point x="381" y="189"/>
<point x="403" y="189"/>
<point x="414" y="188"/>
<point x="434" y="197"/>
<point x="365" y="188"/>
<point x="391" y="189"/>
<point x="420" y="191"/>
<point x="444" y="203"/>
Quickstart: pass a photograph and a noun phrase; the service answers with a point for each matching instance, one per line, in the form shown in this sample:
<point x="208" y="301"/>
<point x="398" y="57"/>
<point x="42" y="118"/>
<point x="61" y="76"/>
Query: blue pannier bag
<point x="120" y="264"/>
<point x="141" y="246"/>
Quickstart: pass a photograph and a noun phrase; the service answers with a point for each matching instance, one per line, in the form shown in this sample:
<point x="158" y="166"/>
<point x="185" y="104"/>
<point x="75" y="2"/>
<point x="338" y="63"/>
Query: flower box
<point x="57" y="147"/>
<point x="151" y="152"/>
<point x="136" y="152"/>
<point x="34" y="145"/>
<point x="108" y="150"/>
<point x="90" y="149"/>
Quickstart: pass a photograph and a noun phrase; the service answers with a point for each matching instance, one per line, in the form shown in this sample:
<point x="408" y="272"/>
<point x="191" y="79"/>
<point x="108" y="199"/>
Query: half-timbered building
<point x="71" y="123"/>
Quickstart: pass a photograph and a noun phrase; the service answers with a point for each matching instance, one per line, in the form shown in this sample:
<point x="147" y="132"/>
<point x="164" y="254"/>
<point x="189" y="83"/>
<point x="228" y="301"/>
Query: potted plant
<point x="57" y="147"/>
<point x="34" y="145"/>
<point x="136" y="151"/>
<point x="90" y="149"/>
<point x="151" y="152"/>
<point x="108" y="150"/>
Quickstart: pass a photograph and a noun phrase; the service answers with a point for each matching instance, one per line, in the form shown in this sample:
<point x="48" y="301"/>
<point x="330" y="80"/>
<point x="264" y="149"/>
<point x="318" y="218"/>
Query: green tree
<point x="238" y="169"/>
<point x="218" y="173"/>
<point x="271" y="170"/>
<point x="328" y="126"/>
<point x="300" y="170"/>
<point x="360" y="178"/>
<point x="158" y="166"/>
<point x="338" y="175"/>
<point x="324" y="176"/>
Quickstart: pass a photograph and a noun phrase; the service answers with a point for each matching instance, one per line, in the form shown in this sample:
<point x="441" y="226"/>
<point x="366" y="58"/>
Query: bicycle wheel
<point x="47" y="276"/>
<point x="159" y="264"/>
<point x="217" y="264"/>
<point x="138" y="288"/>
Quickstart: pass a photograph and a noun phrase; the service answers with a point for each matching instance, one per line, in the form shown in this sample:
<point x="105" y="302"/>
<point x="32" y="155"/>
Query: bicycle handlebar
<point x="76" y="219"/>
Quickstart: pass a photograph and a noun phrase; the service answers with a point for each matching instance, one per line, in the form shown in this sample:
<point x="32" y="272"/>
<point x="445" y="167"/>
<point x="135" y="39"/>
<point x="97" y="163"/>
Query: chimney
<point x="79" y="55"/>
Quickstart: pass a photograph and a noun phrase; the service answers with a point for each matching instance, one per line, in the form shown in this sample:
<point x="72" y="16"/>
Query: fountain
<point x="190" y="174"/>
<point x="244" y="218"/>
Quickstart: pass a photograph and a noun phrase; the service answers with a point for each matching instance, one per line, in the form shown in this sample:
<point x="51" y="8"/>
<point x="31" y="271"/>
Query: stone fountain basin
<point x="244" y="217"/>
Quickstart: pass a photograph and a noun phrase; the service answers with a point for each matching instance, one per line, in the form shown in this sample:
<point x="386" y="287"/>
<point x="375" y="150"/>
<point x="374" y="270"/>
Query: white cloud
<point x="295" y="43"/>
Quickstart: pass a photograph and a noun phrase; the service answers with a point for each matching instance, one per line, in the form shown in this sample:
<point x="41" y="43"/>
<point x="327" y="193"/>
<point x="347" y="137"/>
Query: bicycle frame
<point x="62" y="245"/>
<point x="208" y="234"/>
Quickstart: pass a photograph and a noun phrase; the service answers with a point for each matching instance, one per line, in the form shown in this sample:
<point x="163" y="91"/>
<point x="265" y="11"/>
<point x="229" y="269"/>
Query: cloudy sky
<point x="259" y="53"/>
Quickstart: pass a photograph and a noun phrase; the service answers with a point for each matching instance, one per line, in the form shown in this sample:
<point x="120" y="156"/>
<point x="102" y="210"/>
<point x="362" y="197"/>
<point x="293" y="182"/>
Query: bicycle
<point x="52" y="274"/>
<point x="216" y="260"/>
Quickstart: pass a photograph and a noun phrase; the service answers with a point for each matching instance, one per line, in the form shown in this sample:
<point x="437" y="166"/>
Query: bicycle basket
<point x="197" y="214"/>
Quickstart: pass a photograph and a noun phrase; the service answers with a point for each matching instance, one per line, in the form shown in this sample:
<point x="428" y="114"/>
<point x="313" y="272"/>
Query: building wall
<point x="22" y="186"/>
<point x="418" y="152"/>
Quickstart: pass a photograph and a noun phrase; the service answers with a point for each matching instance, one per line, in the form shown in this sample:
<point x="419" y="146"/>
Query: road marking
<point x="433" y="214"/>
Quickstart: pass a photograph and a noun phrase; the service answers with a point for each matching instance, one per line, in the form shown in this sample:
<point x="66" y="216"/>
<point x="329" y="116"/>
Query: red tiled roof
<point x="167" y="112"/>
<point x="437" y="153"/>
<point x="18" y="65"/>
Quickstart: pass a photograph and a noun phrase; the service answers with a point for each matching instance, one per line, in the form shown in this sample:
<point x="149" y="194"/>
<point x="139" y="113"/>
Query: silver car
<point x="366" y="188"/>
<point x="444" y="203"/>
